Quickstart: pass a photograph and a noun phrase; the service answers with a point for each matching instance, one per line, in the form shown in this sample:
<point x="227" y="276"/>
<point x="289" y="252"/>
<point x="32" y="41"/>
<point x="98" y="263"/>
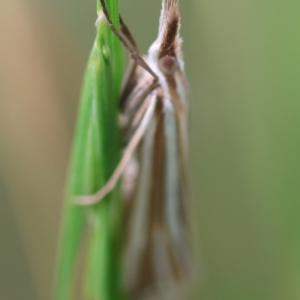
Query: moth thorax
<point x="168" y="64"/>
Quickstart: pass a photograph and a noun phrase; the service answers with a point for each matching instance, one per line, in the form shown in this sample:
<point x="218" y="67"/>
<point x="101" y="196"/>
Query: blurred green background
<point x="243" y="63"/>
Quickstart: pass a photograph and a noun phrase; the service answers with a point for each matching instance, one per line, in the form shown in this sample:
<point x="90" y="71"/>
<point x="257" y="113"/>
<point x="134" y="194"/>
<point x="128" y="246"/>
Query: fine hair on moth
<point x="154" y="114"/>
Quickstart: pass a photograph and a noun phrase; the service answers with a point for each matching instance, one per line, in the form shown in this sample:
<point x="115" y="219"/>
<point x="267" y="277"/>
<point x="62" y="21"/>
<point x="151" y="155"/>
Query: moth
<point x="154" y="115"/>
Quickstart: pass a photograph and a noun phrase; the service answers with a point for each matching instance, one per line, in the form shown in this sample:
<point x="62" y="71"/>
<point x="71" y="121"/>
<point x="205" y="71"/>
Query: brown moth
<point x="154" y="114"/>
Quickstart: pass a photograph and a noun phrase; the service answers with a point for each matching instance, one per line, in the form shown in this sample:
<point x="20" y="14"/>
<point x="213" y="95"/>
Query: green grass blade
<point x="96" y="153"/>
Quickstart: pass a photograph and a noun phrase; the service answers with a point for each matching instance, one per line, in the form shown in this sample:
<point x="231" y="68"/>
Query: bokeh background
<point x="243" y="63"/>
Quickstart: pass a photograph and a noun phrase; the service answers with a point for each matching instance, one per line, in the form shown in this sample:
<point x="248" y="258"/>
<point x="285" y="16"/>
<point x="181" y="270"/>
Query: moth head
<point x="166" y="50"/>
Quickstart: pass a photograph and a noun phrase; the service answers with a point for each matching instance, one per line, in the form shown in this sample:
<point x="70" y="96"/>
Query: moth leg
<point x="126" y="32"/>
<point x="129" y="151"/>
<point x="133" y="53"/>
<point x="133" y="112"/>
<point x="145" y="91"/>
<point x="133" y="64"/>
<point x="139" y="114"/>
